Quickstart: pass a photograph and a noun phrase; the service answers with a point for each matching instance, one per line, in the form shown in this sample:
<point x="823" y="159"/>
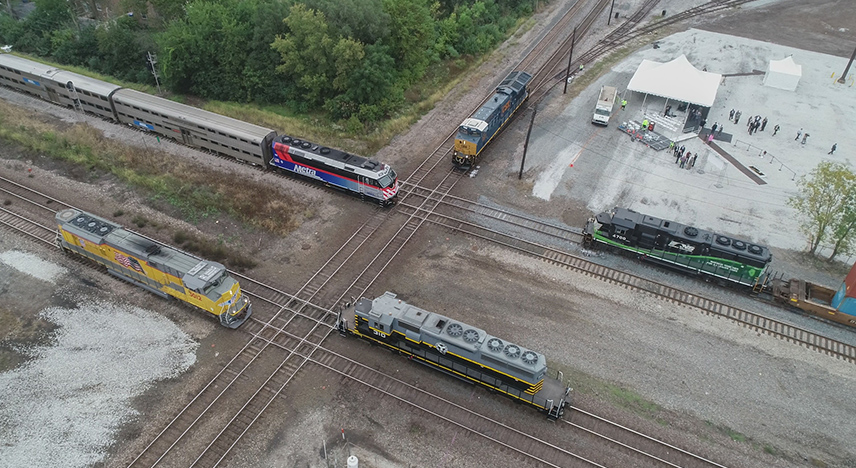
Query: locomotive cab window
<point x="214" y="284"/>
<point x="387" y="180"/>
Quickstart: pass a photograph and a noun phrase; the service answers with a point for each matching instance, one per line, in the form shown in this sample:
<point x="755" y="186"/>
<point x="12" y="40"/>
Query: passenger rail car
<point x="456" y="348"/>
<point x="61" y="87"/>
<point x="199" y="128"/>
<point x="477" y="131"/>
<point x="193" y="127"/>
<point x="365" y="177"/>
<point x="156" y="267"/>
<point x="678" y="246"/>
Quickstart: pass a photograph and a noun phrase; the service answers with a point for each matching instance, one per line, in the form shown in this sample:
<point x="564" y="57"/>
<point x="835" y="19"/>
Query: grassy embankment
<point x="194" y="192"/>
<point x="629" y="400"/>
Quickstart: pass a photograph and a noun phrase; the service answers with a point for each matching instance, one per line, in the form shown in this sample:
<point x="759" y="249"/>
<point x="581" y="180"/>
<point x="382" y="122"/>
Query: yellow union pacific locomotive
<point x="156" y="267"/>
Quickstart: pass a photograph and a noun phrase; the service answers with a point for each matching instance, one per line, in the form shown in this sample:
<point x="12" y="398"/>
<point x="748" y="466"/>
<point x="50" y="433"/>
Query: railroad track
<point x="18" y="207"/>
<point x="296" y="339"/>
<point x="627" y="440"/>
<point x="630" y="31"/>
<point x="296" y="331"/>
<point x="638" y="447"/>
<point x="561" y="257"/>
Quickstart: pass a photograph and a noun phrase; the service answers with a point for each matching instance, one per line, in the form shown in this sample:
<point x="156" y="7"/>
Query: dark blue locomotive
<point x="477" y="131"/>
<point x="458" y="349"/>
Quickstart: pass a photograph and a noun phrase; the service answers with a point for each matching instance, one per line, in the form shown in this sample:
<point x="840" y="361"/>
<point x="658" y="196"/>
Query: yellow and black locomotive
<point x="159" y="268"/>
<point x="457" y="349"/>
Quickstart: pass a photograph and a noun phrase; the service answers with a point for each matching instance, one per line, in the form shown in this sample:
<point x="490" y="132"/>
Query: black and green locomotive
<point x="678" y="246"/>
<point x="458" y="349"/>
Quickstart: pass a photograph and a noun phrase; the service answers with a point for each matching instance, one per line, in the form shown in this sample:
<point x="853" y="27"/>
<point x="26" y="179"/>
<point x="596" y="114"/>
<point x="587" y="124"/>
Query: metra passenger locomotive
<point x="459" y="349"/>
<point x="194" y="127"/>
<point x="476" y="132"/>
<point x="366" y="177"/>
<point x="158" y="268"/>
<point x="683" y="247"/>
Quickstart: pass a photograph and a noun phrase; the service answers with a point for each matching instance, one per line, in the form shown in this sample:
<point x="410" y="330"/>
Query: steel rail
<point x="753" y="320"/>
<point x="658" y="442"/>
<point x="347" y="370"/>
<point x="22" y="225"/>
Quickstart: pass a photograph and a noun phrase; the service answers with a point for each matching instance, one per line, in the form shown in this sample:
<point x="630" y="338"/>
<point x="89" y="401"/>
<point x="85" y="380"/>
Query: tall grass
<point x="194" y="191"/>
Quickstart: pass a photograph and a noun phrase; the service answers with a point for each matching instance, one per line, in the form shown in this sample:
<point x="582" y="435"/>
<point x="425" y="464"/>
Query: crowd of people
<point x="755" y="123"/>
<point x="683" y="157"/>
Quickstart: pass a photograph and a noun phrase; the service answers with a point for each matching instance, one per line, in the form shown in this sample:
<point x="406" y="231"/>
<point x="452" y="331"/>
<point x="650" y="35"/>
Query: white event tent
<point x="678" y="80"/>
<point x="783" y="74"/>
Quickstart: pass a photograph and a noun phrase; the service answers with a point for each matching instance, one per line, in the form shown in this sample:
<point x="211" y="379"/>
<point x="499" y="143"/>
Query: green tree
<point x="412" y="36"/>
<point x="372" y="91"/>
<point x="10" y="29"/>
<point x="844" y="231"/>
<point x="823" y="200"/>
<point x="38" y="27"/>
<point x="119" y="51"/>
<point x="220" y="50"/>
<point x="363" y="20"/>
<point x="76" y="48"/>
<point x="316" y="61"/>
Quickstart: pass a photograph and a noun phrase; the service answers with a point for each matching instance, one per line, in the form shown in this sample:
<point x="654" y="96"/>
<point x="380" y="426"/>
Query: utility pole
<point x="526" y="143"/>
<point x="570" y="59"/>
<point x="609" y="18"/>
<point x="847" y="69"/>
<point x="153" y="60"/>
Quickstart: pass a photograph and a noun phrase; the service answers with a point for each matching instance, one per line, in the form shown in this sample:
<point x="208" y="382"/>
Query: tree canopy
<point x="353" y="59"/>
<point x="826" y="203"/>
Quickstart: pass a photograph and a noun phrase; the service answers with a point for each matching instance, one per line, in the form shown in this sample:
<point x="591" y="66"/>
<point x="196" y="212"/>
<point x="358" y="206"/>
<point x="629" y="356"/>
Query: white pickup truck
<point x="605" y="103"/>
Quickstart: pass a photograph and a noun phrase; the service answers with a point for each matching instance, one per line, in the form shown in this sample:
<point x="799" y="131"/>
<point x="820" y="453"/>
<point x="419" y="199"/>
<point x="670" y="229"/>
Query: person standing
<point x="684" y="160"/>
<point x="677" y="157"/>
<point x="731" y="115"/>
<point x="719" y="132"/>
<point x="713" y="129"/>
<point x="623" y="104"/>
<point x="776" y="129"/>
<point x="645" y="124"/>
<point x="834" y="147"/>
<point x="805" y="137"/>
<point x="692" y="161"/>
<point x="736" y="116"/>
<point x="710" y="138"/>
<point x="763" y="124"/>
<point x="702" y="123"/>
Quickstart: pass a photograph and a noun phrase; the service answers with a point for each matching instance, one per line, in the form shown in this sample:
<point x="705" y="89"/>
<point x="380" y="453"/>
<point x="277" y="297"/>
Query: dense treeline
<point x="352" y="58"/>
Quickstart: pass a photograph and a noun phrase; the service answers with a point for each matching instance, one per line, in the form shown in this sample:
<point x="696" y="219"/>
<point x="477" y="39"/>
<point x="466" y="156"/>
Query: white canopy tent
<point x="678" y="80"/>
<point x="783" y="74"/>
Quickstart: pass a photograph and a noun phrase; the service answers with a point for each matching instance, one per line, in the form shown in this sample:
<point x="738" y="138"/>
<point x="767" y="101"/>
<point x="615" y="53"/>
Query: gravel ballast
<point x="66" y="404"/>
